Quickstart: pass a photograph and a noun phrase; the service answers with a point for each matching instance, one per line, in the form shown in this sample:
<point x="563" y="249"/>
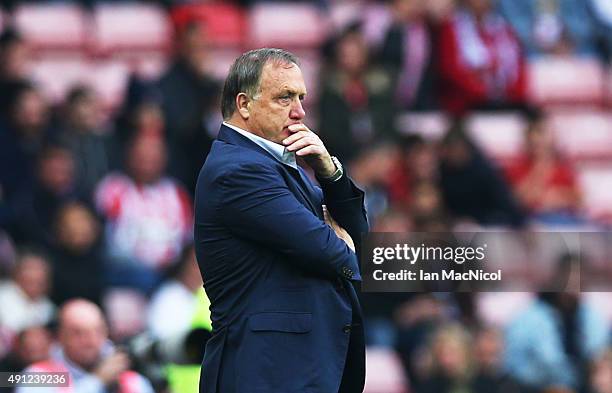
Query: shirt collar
<point x="277" y="151"/>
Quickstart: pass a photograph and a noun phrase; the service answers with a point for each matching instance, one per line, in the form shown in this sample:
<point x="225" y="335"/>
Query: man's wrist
<point x="336" y="174"/>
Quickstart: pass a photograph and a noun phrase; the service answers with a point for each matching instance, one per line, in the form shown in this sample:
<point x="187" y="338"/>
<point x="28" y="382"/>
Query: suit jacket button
<point x="346" y="329"/>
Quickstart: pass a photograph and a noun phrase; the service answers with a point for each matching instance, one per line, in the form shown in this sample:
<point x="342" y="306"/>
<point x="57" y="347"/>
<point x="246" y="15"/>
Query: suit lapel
<point x="304" y="190"/>
<point x="302" y="184"/>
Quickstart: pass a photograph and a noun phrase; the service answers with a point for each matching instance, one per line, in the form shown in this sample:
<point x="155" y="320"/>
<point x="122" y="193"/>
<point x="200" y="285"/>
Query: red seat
<point x="562" y="80"/>
<point x="429" y="125"/>
<point x="225" y="23"/>
<point x="341" y="14"/>
<point x="220" y="61"/>
<point x="291" y="25"/>
<point x="310" y="64"/>
<point x="385" y="373"/>
<point x="109" y="79"/>
<point x="500" y="135"/>
<point x="583" y="134"/>
<point x="52" y="26"/>
<point x="500" y="308"/>
<point x="131" y="26"/>
<point x="56" y="76"/>
<point x="596" y="183"/>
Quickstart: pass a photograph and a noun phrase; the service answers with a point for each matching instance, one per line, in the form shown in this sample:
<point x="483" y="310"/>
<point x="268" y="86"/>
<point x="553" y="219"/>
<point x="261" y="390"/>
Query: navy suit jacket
<point x="280" y="282"/>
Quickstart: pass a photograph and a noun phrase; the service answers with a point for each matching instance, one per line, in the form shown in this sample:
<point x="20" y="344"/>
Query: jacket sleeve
<point x="345" y="203"/>
<point x="258" y="206"/>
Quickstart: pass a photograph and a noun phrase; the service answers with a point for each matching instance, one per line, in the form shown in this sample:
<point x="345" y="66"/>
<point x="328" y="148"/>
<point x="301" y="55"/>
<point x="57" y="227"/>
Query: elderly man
<point x="278" y="269"/>
<point x="88" y="356"/>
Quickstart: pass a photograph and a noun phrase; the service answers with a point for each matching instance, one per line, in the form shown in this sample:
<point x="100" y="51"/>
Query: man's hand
<point x="340" y="232"/>
<point x="308" y="145"/>
<point x="111" y="367"/>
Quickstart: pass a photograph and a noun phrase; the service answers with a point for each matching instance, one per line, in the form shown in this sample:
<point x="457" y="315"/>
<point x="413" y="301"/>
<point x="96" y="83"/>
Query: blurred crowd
<point x="97" y="270"/>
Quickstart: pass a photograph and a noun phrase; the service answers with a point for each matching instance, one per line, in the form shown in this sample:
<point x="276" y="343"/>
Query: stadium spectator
<point x="370" y="171"/>
<point x="393" y="220"/>
<point x="417" y="163"/>
<point x="414" y="183"/>
<point x="148" y="216"/>
<point x="356" y="107"/>
<point x="188" y="93"/>
<point x="23" y="130"/>
<point x="426" y="204"/>
<point x="544" y="182"/>
<point x="552" y="26"/>
<point x="85" y="352"/>
<point x="471" y="186"/>
<point x="407" y="50"/>
<point x="490" y="377"/>
<point x="602" y="13"/>
<point x="32" y="345"/>
<point x="451" y="361"/>
<point x="77" y="255"/>
<point x="14" y="56"/>
<point x="141" y="111"/>
<point x="553" y="341"/>
<point x="173" y="306"/>
<point x="600" y="374"/>
<point x="54" y="186"/>
<point x="24" y="299"/>
<point x="82" y="131"/>
<point x="7" y="255"/>
<point x="481" y="62"/>
<point x="416" y="320"/>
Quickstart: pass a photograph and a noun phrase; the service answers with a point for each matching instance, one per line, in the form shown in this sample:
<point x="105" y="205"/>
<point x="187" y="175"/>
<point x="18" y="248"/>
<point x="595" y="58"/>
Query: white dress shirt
<point x="278" y="151"/>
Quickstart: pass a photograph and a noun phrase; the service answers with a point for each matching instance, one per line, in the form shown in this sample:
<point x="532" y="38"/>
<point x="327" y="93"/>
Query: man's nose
<point x="297" y="111"/>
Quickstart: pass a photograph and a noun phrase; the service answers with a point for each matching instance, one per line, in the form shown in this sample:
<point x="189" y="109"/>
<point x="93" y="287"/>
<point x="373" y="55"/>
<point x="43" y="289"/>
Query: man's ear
<point x="242" y="105"/>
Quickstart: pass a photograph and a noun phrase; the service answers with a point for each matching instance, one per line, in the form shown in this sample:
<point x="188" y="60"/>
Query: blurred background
<point x="453" y="115"/>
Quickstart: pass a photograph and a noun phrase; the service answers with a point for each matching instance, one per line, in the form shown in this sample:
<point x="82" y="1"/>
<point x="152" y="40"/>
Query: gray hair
<point x="245" y="75"/>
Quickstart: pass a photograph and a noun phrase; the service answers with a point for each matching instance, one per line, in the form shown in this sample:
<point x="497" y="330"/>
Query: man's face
<point x="85" y="114"/>
<point x="33" y="277"/>
<point x="147" y="159"/>
<point x="278" y="103"/>
<point x="82" y="339"/>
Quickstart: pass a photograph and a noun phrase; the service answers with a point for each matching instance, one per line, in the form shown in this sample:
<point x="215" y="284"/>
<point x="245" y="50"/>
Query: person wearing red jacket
<point x="481" y="62"/>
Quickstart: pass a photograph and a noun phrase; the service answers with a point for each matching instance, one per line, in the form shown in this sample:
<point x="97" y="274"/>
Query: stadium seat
<point x="220" y="60"/>
<point x="600" y="301"/>
<point x="596" y="182"/>
<point x="288" y="25"/>
<point x="225" y="23"/>
<point x="109" y="79"/>
<point x="55" y="76"/>
<point x="148" y="66"/>
<point x="583" y="134"/>
<point x="500" y="308"/>
<point x="54" y="26"/>
<point x="563" y="80"/>
<point x="126" y="312"/>
<point x="131" y="26"/>
<point x="500" y="135"/>
<point x="430" y="125"/>
<point x="343" y="13"/>
<point x="384" y="372"/>
<point x="375" y="19"/>
<point x="310" y="64"/>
